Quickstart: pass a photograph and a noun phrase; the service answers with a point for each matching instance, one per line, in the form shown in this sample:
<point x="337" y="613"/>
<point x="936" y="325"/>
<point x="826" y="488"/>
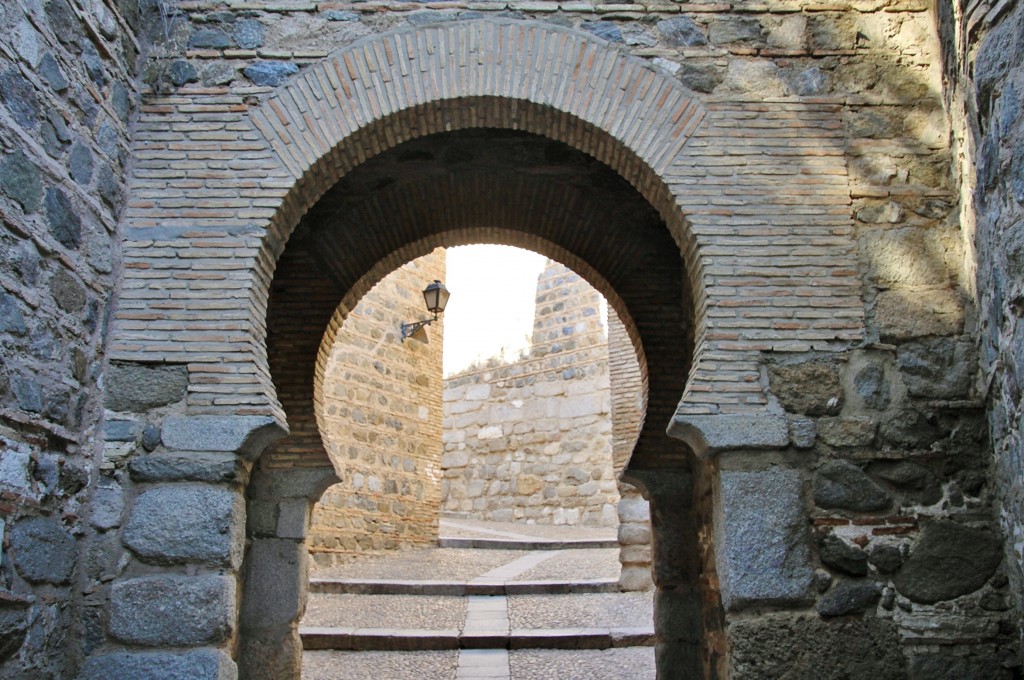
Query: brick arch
<point x="753" y="179"/>
<point x="561" y="84"/>
<point x="357" y="234"/>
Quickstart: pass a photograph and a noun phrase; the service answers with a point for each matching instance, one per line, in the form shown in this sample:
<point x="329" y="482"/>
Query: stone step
<point x="634" y="663"/>
<point x="397" y="639"/>
<point x="523" y="544"/>
<point x="479" y="586"/>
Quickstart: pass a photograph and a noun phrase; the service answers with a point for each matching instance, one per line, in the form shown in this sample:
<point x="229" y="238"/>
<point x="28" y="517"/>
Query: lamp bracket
<point x="409" y="328"/>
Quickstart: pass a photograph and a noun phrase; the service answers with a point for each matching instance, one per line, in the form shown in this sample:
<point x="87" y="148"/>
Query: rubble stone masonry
<point x="531" y="440"/>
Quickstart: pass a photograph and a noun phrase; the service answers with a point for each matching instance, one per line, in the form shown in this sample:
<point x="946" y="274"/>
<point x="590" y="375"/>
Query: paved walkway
<point x="519" y="602"/>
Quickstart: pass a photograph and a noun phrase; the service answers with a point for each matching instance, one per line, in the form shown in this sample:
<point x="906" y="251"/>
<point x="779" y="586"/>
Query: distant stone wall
<point x="532" y="440"/>
<point x="67" y="93"/>
<point x="381" y="423"/>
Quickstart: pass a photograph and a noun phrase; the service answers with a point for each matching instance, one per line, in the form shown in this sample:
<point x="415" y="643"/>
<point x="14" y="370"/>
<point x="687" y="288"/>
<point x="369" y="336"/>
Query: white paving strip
<point x="487" y="615"/>
<point x="515" y="567"/>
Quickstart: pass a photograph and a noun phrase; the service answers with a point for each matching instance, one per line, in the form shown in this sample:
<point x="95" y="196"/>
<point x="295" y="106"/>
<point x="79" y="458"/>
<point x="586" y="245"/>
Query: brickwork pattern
<point x="383" y="80"/>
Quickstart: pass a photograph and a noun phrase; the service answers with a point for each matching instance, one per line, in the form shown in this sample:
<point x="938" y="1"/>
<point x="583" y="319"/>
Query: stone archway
<point x="210" y="270"/>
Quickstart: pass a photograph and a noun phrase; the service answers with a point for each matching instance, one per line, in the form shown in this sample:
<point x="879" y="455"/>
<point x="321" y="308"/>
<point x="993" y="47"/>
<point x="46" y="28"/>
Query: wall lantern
<point x="436" y="296"/>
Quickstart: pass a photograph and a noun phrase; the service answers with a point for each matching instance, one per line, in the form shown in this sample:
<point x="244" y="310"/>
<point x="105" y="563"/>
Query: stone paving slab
<point x="461" y="588"/>
<point x="426" y="612"/>
<point x="335" y="665"/>
<point x="424" y="564"/>
<point x="575" y="565"/>
<point x="484" y="637"/>
<point x="630" y="663"/>
<point x="611" y="610"/>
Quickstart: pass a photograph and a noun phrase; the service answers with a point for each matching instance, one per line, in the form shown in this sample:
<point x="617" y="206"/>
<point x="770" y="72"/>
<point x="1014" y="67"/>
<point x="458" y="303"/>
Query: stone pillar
<point x="676" y="569"/>
<point x="276" y="570"/>
<point x="634" y="539"/>
<point x="185" y="531"/>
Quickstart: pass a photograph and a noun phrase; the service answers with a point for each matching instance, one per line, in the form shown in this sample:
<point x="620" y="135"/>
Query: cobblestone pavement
<point x="456" y="564"/>
<point x="427" y="612"/>
<point x="575" y="565"/>
<point x="630" y="663"/>
<point x="433" y="612"/>
<point x="597" y="610"/>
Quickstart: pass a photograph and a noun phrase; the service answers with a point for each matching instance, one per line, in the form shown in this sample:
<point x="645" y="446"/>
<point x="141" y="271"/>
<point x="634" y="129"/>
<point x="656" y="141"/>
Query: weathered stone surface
<point x="51" y="72"/>
<point x="247" y="435"/>
<point x="847" y="432"/>
<point x="948" y="667"/>
<point x="908" y="256"/>
<point x="701" y="78"/>
<point x="13" y="628"/>
<point x="904" y="315"/>
<point x="603" y="29"/>
<point x="67" y="292"/>
<point x="80" y="163"/>
<point x="711" y="434"/>
<point x="213" y="468"/>
<point x="949" y="560"/>
<point x="11" y="319"/>
<point x="681" y="32"/>
<point x="849" y="597"/>
<point x="209" y="39"/>
<point x="838" y="554"/>
<point x="269" y="73"/>
<point x="20" y="98"/>
<point x="340" y="15"/>
<point x="802" y="432"/>
<point x="752" y="77"/>
<point x="120" y="430"/>
<point x="277" y="570"/>
<point x="139" y="387"/>
<point x="873" y="388"/>
<point x="809" y="387"/>
<point x="64" y="223"/>
<point x="249" y="34"/>
<point x="937" y="368"/>
<point x="107" y="506"/>
<point x="181" y="72"/>
<point x="194" y="665"/>
<point x="20" y="179"/>
<point x="180" y="523"/>
<point x="736" y="30"/>
<point x="866" y="647"/>
<point x="42" y="550"/>
<point x="762" y="553"/>
<point x="172" y="610"/>
<point x="841" y="485"/>
<point x="885" y="558"/>
<point x="912" y="480"/>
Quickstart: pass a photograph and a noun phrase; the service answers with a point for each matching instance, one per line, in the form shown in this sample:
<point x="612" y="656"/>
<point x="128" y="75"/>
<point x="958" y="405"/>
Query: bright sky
<point x="490" y="312"/>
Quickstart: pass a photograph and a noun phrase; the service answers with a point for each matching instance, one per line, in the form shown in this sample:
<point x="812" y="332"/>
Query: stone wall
<point x="380" y="419"/>
<point x="983" y="51"/>
<point x="532" y="440"/>
<point x="66" y="97"/>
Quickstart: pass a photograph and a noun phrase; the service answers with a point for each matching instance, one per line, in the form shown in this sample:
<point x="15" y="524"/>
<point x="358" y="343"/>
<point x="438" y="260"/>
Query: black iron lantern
<point x="435" y="295"/>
